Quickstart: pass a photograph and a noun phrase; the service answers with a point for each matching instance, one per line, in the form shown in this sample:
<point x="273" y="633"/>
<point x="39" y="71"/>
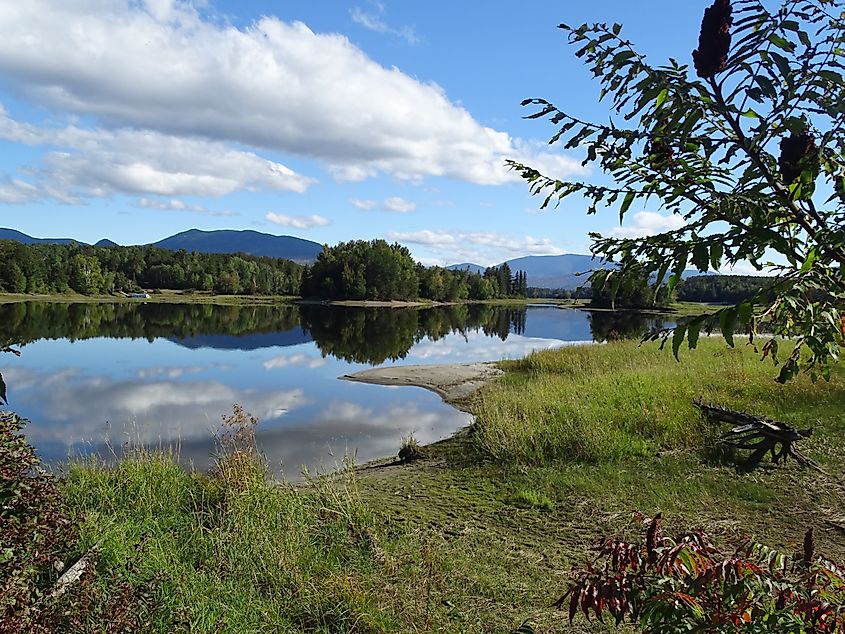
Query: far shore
<point x="178" y="297"/>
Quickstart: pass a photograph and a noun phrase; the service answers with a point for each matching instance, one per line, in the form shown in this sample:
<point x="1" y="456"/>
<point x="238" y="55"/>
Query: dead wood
<point x="74" y="573"/>
<point x="760" y="435"/>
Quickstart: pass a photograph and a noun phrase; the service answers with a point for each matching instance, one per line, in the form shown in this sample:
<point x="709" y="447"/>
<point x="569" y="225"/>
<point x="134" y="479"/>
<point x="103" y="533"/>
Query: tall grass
<point x="610" y="402"/>
<point x="231" y="552"/>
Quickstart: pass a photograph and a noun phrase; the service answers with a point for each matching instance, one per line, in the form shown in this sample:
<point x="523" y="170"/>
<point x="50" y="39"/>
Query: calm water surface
<point x="92" y="377"/>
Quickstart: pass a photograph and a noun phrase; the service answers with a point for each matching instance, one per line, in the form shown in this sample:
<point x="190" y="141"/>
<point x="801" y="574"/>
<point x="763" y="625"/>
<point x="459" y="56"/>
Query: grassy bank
<point x="480" y="534"/>
<point x="626" y="400"/>
<point x="178" y="297"/>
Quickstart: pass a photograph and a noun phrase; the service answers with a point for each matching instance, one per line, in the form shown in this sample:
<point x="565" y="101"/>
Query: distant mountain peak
<point x="546" y="271"/>
<point x="216" y="241"/>
<point x="245" y="241"/>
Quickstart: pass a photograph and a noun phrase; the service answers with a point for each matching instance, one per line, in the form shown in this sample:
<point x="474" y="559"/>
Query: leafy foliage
<point x="751" y="156"/>
<point x="724" y="289"/>
<point x="687" y="584"/>
<point x="37" y="536"/>
<point x="56" y="268"/>
<point x="376" y="270"/>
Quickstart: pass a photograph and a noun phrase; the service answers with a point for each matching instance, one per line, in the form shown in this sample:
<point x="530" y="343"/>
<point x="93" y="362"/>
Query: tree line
<point x="356" y="270"/>
<point x="723" y="289"/>
<point x="358" y="335"/>
<point x="88" y="270"/>
<point x="376" y="270"/>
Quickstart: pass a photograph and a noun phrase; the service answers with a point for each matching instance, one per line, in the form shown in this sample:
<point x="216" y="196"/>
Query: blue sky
<point x="331" y="121"/>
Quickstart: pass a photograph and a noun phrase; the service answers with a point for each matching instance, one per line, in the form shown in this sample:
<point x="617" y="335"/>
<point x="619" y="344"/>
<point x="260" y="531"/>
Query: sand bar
<point x="453" y="381"/>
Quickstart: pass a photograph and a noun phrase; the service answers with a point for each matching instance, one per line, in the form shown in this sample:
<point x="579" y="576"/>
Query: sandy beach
<point x="453" y="382"/>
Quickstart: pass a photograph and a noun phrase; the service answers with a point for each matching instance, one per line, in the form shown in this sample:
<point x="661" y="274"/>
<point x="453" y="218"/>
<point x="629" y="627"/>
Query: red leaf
<point x="573" y="604"/>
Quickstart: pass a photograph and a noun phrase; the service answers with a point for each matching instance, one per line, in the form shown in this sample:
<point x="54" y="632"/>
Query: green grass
<point x="606" y="403"/>
<point x="480" y="534"/>
<point x="231" y="553"/>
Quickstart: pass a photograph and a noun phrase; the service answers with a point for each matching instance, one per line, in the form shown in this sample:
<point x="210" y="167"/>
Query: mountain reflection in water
<point x="93" y="377"/>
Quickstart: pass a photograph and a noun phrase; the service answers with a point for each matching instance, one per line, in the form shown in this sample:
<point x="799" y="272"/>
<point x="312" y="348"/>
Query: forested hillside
<point x="55" y="268"/>
<point x="376" y="270"/>
<point x="721" y="289"/>
<point x="357" y="270"/>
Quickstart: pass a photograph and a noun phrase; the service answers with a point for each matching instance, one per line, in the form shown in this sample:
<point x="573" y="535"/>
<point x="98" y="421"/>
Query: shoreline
<point x="453" y="382"/>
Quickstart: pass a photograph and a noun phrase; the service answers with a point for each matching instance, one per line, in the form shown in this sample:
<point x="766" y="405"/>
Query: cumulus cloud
<point x="364" y="204"/>
<point x="174" y="204"/>
<point x="399" y="205"/>
<point x="746" y="268"/>
<point x="102" y="162"/>
<point x="279" y="86"/>
<point x="15" y="191"/>
<point x="648" y="223"/>
<point x="297" y="222"/>
<point x="395" y="204"/>
<point x="477" y="346"/>
<point x="297" y="360"/>
<point x="485" y="248"/>
<point x="374" y="21"/>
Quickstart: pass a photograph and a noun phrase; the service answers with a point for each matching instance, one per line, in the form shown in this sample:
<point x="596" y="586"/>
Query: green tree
<point x="749" y="153"/>
<point x="86" y="276"/>
<point x="17" y="279"/>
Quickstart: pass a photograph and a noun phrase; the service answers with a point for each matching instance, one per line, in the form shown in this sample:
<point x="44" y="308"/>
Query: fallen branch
<point x="74" y="573"/>
<point x="760" y="435"/>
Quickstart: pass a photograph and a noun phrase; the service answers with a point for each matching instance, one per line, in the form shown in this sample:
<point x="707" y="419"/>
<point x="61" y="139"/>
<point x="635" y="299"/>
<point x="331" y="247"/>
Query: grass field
<point x="479" y="535"/>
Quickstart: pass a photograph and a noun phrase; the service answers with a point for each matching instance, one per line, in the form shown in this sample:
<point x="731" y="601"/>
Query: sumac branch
<point x="746" y="147"/>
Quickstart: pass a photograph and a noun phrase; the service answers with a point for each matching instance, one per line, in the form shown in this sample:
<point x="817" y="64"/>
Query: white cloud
<point x="297" y="222"/>
<point x="746" y="268"/>
<point x="169" y="372"/>
<point x="364" y="205"/>
<point x="299" y="360"/>
<point x="399" y="205"/>
<point x="375" y="22"/>
<point x="195" y="85"/>
<point x="174" y="204"/>
<point x="15" y="191"/>
<point x="395" y="204"/>
<point x="484" y="248"/>
<point x="102" y="162"/>
<point x="648" y="223"/>
<point x="477" y="346"/>
<point x="425" y="236"/>
<point x="162" y="409"/>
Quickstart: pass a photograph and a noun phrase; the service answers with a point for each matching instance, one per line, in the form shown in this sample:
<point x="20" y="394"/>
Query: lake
<point x="95" y="378"/>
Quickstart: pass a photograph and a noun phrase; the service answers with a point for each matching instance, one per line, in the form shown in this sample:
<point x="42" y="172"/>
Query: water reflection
<point x="94" y="376"/>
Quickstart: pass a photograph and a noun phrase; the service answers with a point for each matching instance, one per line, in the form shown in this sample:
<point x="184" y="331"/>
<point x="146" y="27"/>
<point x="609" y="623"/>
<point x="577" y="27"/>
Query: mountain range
<point x="546" y="271"/>
<point x="543" y="271"/>
<point x="222" y="241"/>
<point x="568" y="271"/>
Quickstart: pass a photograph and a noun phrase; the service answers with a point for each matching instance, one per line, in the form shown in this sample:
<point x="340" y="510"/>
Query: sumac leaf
<point x="693" y="330"/>
<point x="678" y="339"/>
<point x="727" y="323"/>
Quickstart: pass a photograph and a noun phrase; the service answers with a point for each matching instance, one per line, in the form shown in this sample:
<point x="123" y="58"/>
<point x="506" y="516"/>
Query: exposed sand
<point x="453" y="381"/>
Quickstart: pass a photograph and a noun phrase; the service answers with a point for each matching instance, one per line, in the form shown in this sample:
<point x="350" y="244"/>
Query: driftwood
<point x="760" y="435"/>
<point x="74" y="573"/>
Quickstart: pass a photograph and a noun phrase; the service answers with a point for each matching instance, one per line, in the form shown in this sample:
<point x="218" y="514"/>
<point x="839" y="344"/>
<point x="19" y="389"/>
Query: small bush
<point x="687" y="584"/>
<point x="411" y="450"/>
<point x="39" y="540"/>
